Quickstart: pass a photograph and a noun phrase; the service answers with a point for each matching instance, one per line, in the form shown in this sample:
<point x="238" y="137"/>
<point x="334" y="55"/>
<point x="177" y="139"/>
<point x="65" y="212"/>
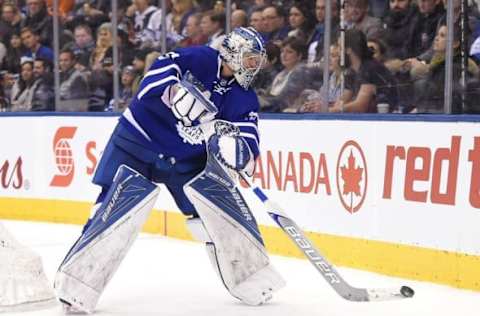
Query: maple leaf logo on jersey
<point x="351" y="176"/>
<point x="253" y="116"/>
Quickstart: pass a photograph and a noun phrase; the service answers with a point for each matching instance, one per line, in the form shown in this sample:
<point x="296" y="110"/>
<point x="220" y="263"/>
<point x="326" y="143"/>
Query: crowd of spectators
<point x="394" y="52"/>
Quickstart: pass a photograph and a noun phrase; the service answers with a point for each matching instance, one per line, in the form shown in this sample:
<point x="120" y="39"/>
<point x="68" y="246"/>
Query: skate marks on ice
<point x="162" y="276"/>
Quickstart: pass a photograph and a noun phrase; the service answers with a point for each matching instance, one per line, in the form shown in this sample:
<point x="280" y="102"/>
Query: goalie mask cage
<point x="23" y="284"/>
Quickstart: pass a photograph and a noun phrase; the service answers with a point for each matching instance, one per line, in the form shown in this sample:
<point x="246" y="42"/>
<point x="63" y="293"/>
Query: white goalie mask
<point x="243" y="50"/>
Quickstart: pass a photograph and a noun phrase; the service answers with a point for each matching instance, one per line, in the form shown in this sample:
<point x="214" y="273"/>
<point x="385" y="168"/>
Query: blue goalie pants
<point x="124" y="149"/>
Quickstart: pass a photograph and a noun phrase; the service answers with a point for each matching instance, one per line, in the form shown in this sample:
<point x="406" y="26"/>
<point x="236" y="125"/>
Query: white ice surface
<point x="162" y="276"/>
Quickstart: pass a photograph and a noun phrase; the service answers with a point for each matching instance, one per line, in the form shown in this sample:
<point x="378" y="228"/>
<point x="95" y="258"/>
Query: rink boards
<point x="392" y="195"/>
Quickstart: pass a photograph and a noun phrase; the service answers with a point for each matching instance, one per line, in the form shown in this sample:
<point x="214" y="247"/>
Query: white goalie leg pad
<point x="199" y="232"/>
<point x="96" y="256"/>
<point x="23" y="284"/>
<point x="238" y="258"/>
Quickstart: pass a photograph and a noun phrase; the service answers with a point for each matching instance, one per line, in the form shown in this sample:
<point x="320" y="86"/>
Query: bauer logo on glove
<point x="231" y="151"/>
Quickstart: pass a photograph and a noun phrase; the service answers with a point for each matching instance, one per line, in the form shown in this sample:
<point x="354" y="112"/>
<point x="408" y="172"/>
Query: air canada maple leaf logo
<point x="351" y="176"/>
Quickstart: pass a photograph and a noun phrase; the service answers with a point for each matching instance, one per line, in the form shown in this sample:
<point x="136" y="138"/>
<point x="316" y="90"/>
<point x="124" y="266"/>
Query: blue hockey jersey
<point x="153" y="122"/>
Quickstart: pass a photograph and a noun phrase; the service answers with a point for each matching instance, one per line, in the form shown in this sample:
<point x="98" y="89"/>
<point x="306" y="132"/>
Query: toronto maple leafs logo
<point x="253" y="116"/>
<point x="190" y="134"/>
<point x="352" y="176"/>
<point x="221" y="87"/>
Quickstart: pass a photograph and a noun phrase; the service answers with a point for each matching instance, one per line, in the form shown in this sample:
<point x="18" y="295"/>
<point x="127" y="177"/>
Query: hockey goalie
<point x="159" y="139"/>
<point x="23" y="284"/>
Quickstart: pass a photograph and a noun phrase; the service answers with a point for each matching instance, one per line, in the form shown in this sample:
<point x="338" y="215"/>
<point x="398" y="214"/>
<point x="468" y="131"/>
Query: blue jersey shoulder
<point x="202" y="61"/>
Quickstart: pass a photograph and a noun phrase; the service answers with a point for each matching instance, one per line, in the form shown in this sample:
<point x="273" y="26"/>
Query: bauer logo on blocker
<point x="352" y="176"/>
<point x="63" y="157"/>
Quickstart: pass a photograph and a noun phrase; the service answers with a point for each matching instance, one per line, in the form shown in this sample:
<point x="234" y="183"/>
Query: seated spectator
<point x="288" y="83"/>
<point x="104" y="42"/>
<point x="378" y="48"/>
<point x="239" y="19"/>
<point x="275" y="27"/>
<point x="126" y="92"/>
<point x="328" y="95"/>
<point x="93" y="12"/>
<point x="429" y="89"/>
<point x="360" y="20"/>
<point x="84" y="43"/>
<point x="372" y="83"/>
<point x="4" y="100"/>
<point x="399" y="32"/>
<point x="151" y="36"/>
<point x="256" y="21"/>
<point x="8" y="82"/>
<point x="193" y="32"/>
<point x="302" y="21"/>
<point x="10" y="21"/>
<point x="43" y="96"/>
<point x="212" y="26"/>
<point x="15" y="51"/>
<point x="315" y="44"/>
<point x="38" y="20"/>
<point x="102" y="87"/>
<point x="139" y="62"/>
<point x="142" y="15"/>
<point x="272" y="67"/>
<point x="182" y="9"/>
<point x="72" y="82"/>
<point x="35" y="49"/>
<point x="23" y="88"/>
<point x="425" y="25"/>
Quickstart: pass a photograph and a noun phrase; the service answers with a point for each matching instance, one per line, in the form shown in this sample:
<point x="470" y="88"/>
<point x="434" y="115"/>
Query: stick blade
<point x="390" y="294"/>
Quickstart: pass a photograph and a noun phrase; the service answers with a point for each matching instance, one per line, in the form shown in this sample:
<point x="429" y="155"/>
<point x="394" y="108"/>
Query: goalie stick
<point x="330" y="274"/>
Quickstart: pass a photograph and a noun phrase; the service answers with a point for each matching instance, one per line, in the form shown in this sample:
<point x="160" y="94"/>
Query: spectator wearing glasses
<point x="274" y="24"/>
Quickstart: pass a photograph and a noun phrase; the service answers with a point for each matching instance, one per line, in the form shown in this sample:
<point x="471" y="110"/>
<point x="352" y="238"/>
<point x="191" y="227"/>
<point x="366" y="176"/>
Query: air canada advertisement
<point x="363" y="179"/>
